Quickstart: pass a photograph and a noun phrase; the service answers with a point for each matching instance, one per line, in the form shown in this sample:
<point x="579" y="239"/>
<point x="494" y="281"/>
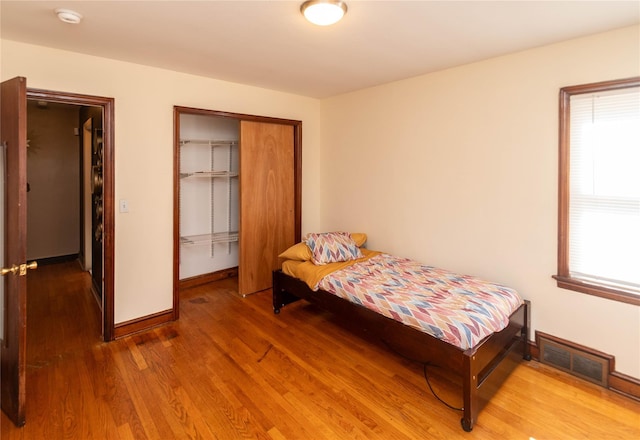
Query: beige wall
<point x="144" y="100"/>
<point x="459" y="169"/>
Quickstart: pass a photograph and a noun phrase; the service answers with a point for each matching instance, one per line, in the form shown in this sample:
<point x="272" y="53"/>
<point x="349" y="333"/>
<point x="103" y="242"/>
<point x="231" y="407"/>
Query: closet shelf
<point x="217" y="237"/>
<point x="210" y="142"/>
<point x="209" y="174"/>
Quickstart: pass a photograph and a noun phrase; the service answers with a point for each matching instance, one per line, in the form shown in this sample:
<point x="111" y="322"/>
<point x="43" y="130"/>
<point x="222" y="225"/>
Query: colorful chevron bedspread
<point x="459" y="309"/>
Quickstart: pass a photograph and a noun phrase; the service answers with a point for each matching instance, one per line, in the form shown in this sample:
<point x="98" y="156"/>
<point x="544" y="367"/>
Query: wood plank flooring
<point x="231" y="369"/>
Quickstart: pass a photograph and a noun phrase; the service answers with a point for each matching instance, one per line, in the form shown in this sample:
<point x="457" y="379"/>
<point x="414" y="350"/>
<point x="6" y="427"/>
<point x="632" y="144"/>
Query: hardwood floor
<point x="231" y="369"/>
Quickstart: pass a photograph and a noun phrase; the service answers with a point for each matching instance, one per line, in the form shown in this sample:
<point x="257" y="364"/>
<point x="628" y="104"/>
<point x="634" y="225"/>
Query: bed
<point x="483" y="358"/>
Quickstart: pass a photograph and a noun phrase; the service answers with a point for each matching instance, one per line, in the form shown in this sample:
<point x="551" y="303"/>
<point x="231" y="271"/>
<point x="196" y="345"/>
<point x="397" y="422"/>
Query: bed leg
<point x="276" y="292"/>
<point x="470" y="394"/>
<point x="281" y="297"/>
<point x="525" y="330"/>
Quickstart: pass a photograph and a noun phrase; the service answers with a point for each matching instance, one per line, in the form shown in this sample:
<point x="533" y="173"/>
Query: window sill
<point x="597" y="290"/>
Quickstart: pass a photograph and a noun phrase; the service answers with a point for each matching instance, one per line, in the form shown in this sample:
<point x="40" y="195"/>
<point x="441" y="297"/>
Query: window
<point x="599" y="190"/>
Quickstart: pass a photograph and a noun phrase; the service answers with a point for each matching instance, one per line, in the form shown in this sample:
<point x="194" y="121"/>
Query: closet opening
<point x="208" y="198"/>
<point x="237" y="194"/>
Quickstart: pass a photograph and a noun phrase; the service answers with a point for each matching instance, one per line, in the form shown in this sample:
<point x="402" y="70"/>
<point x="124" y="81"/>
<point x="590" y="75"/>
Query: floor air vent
<point x="574" y="359"/>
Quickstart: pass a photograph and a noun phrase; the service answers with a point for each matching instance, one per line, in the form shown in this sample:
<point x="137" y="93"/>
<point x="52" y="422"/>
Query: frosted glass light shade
<point x="323" y="12"/>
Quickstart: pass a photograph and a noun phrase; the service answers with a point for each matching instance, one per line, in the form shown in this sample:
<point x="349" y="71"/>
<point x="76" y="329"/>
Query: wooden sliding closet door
<point x="267" y="201"/>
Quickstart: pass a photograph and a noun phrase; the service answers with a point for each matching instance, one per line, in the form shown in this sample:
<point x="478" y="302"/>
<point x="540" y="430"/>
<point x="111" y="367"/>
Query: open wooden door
<point x="267" y="201"/>
<point x="13" y="137"/>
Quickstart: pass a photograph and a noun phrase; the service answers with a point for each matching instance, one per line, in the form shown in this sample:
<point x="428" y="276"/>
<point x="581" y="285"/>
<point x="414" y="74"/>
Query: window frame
<point x="563" y="277"/>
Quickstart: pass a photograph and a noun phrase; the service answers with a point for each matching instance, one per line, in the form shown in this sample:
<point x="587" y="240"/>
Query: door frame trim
<point x="297" y="160"/>
<point x="108" y="185"/>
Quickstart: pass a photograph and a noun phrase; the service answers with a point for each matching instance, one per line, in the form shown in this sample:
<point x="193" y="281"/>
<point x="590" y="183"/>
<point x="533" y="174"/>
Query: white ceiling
<point x="269" y="44"/>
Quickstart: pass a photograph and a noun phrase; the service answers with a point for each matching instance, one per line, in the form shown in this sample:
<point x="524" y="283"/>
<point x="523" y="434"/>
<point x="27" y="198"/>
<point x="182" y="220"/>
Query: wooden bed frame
<point x="482" y="368"/>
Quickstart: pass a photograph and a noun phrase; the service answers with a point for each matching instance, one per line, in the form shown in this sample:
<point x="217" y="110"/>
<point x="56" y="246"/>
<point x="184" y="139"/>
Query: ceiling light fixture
<point x="323" y="12"/>
<point x="68" y="16"/>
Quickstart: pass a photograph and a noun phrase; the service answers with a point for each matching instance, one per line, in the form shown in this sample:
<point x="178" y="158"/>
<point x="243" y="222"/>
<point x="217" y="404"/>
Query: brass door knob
<point x="25" y="266"/>
<point x="21" y="270"/>
<point x="7" y="270"/>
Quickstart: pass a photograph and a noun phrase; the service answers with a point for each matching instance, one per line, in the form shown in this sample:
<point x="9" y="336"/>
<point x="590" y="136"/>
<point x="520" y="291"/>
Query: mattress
<point x="459" y="309"/>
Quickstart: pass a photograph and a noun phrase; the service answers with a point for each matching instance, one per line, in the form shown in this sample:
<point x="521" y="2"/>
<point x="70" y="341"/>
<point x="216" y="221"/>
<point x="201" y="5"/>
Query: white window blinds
<point x="604" y="193"/>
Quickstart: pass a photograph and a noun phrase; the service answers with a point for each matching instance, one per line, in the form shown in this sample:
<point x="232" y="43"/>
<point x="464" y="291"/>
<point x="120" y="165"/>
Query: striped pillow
<point x="332" y="247"/>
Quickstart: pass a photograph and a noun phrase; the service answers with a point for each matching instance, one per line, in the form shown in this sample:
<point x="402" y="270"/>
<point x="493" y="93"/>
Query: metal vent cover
<point x="574" y="360"/>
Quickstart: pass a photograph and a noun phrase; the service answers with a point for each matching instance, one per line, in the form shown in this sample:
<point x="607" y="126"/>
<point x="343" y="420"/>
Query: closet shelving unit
<point x="211" y="174"/>
<point x="208" y="198"/>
